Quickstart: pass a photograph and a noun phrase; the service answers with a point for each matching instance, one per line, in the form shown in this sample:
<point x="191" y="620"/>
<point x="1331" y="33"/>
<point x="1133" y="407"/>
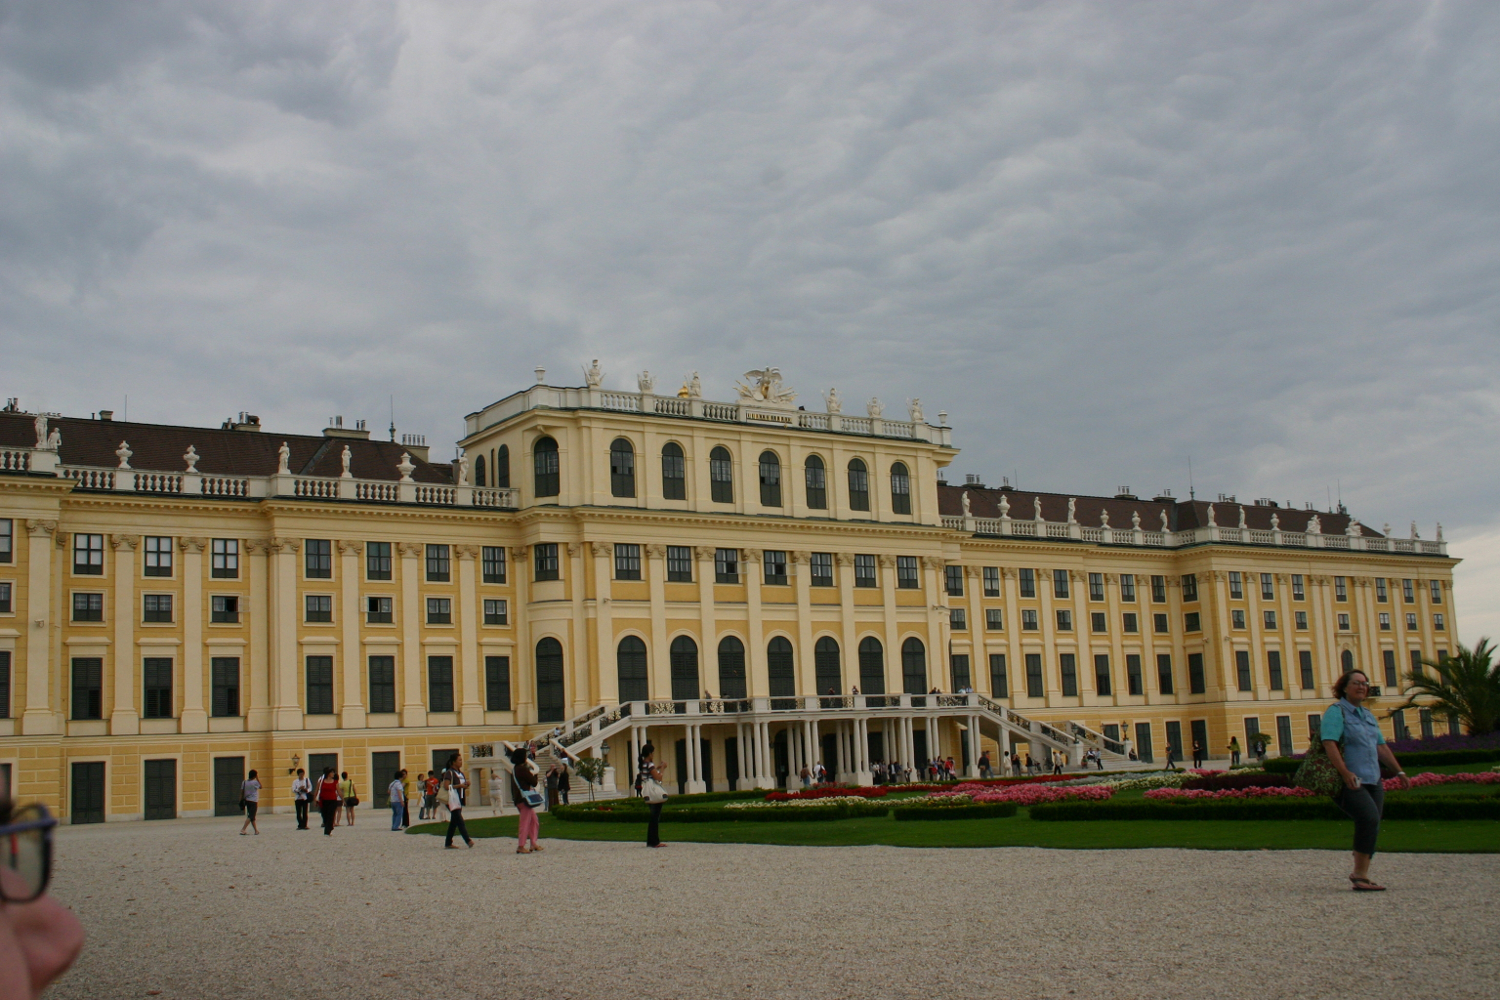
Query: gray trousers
<point x="1364" y="806"/>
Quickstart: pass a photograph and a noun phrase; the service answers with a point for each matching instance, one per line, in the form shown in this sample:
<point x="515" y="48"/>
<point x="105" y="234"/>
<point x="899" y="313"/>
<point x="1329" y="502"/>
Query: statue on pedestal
<point x="593" y="375"/>
<point x="191" y="458"/>
<point x="346" y="458"/>
<point x="123" y="453"/>
<point x="833" y="401"/>
<point x="284" y="458"/>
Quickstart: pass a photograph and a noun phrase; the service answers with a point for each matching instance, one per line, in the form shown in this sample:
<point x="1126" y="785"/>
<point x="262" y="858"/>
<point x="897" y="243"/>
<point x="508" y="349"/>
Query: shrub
<point x="1489" y="741"/>
<point x="985" y="810"/>
<point x="1264" y="809"/>
<point x="719" y="814"/>
<point x="1435" y="758"/>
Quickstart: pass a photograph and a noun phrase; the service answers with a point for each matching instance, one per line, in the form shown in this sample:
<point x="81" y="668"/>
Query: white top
<point x="302" y="788"/>
<point x="397" y="792"/>
<point x="251" y="790"/>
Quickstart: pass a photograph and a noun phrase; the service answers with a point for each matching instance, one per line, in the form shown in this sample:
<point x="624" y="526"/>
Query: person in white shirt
<point x="397" y="793"/>
<point x="250" y="794"/>
<point x="302" y="790"/>
<point x="497" y="791"/>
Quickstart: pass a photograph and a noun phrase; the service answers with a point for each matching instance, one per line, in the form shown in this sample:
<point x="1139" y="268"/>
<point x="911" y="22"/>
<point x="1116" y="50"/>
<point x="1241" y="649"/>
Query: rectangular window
<point x="1127" y="586"/>
<point x="1385" y="621"/>
<point x="377" y="560"/>
<point x="1133" y="681"/>
<point x="1398" y="724"/>
<point x="1284" y="735"/>
<point x="88" y="607"/>
<point x="994" y="619"/>
<point x="224" y="677"/>
<point x="438" y="565"/>
<point x="7" y="540"/>
<point x="382" y="684"/>
<point x="1408" y="592"/>
<point x="158" y="558"/>
<point x="440" y="684"/>
<point x="1416" y="661"/>
<point x="319" y="607"/>
<point x="821" y="569"/>
<point x="1298" y="593"/>
<point x="864" y="571"/>
<point x="1273" y="667"/>
<point x="1236" y="586"/>
<point x="1130" y="623"/>
<point x="1101" y="674"/>
<point x="156" y="679"/>
<point x="953" y="579"/>
<point x="1305" y="668"/>
<point x="320" y="685"/>
<point x="1097" y="622"/>
<point x="1059" y="583"/>
<point x="1189" y="587"/>
<point x="1190" y="622"/>
<point x="496" y="612"/>
<point x="1388" y="659"/>
<point x="5" y="600"/>
<point x="1242" y="669"/>
<point x="726" y="565"/>
<point x="1158" y="590"/>
<point x="497" y="683"/>
<point x="1064" y="620"/>
<point x="378" y="610"/>
<point x="1197" y="682"/>
<point x="492" y="563"/>
<point x="1344" y="622"/>
<point x="775" y="565"/>
<point x="1028" y="620"/>
<point x="720" y="476"/>
<point x="1237" y="618"/>
<point x="1411" y="620"/>
<point x="88" y="687"/>
<point x="545" y="556"/>
<point x="1340" y="588"/>
<point x="958" y="619"/>
<point x="1301" y="618"/>
<point x="1252" y="729"/>
<point x="1267" y="587"/>
<point x="1437" y="591"/>
<point x="992" y="581"/>
<point x="439" y="611"/>
<point x="1034" y="675"/>
<point x="999" y="685"/>
<point x="627" y="561"/>
<point x="673" y="478"/>
<point x="1067" y="665"/>
<point x="958" y="665"/>
<point x="907" y="576"/>
<point x="1381" y="594"/>
<point x="1315" y="729"/>
<point x="679" y="564"/>
<point x="1096" y="586"/>
<point x="1437" y="622"/>
<point x="317" y="556"/>
<point x="224" y="609"/>
<point x="1269" y="620"/>
<point x="88" y="555"/>
<point x="1160" y="624"/>
<point x="1028" y="583"/>
<point x="224" y="559"/>
<point x="1164" y="672"/>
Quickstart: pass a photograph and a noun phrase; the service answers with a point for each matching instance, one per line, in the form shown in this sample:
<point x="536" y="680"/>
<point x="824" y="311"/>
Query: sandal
<point x="1365" y="885"/>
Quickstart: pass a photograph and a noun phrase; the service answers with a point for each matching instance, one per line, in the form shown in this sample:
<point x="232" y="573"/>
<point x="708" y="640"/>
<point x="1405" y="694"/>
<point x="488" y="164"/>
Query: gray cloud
<point x="1103" y="237"/>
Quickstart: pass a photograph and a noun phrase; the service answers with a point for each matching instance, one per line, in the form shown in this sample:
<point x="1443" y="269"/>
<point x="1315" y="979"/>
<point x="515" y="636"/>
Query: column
<point x="39" y="717"/>
<point x="695" y="755"/>
<point x="937" y="623"/>
<point x="848" y="630"/>
<point x="609" y="678"/>
<point x="413" y="700"/>
<point x="523" y="672"/>
<point x="656" y="576"/>
<point x="124" y="719"/>
<point x="255" y="669"/>
<point x="801" y="587"/>
<point x="577" y="660"/>
<point x="767" y="765"/>
<point x="893" y="674"/>
<point x="193" y="614"/>
<point x="757" y="675"/>
<point x="471" y="707"/>
<point x="708" y="629"/>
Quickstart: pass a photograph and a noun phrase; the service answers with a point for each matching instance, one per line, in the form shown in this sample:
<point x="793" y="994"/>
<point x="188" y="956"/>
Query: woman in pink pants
<point x="523" y="777"/>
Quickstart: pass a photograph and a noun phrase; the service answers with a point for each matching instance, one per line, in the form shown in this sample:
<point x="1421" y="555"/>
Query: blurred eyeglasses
<point x="26" y="846"/>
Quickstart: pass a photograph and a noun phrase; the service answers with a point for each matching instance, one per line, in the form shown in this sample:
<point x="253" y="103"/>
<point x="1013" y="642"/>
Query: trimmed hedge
<point x="1396" y="807"/>
<point x="718" y="814"/>
<point x="981" y="810"/>
<point x="1430" y="758"/>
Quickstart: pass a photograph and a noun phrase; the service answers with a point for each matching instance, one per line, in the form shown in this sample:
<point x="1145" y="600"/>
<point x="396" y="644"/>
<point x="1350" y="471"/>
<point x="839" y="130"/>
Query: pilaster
<point x="656" y="576"/>
<point x="352" y="714"/>
<point x="413" y="700"/>
<point x="39" y="718"/>
<point x="194" y="715"/>
<point x="257" y="678"/>
<point x="757" y="673"/>
<point x="661" y="670"/>
<point x="286" y="695"/>
<point x="124" y="719"/>
<point x="604" y="614"/>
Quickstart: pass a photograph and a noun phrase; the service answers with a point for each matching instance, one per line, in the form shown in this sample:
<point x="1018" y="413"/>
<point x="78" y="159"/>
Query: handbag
<point x="527" y="796"/>
<point x="655" y="794"/>
<point x="356" y="800"/>
<point x="1316" y="773"/>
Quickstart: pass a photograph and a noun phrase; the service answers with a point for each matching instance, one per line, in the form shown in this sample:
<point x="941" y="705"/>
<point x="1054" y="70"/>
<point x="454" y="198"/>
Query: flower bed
<point x="786" y="801"/>
<point x="830" y="792"/>
<point x="1221" y="780"/>
<point x="1162" y="780"/>
<point x="1428" y="779"/>
<point x="1251" y="792"/>
<point x="1023" y="795"/>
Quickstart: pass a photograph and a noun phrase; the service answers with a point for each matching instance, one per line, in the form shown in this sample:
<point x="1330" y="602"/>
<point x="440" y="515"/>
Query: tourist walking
<point x="328" y="800"/>
<point x="497" y="792"/>
<point x="984" y="765"/>
<point x="1170" y="765"/>
<point x="302" y="790"/>
<point x="1234" y="751"/>
<point x="656" y="795"/>
<point x="350" y="797"/>
<point x="1015" y="764"/>
<point x="250" y="798"/>
<point x="405" y="801"/>
<point x="1197" y="754"/>
<point x="455" y="804"/>
<point x="453" y="773"/>
<point x="552" y="787"/>
<point x="523" y="779"/>
<point x="429" y="796"/>
<point x="397" y="794"/>
<point x="1354" y="744"/>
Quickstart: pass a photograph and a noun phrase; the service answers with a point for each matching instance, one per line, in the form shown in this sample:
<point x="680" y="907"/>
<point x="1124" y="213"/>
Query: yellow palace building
<point x="751" y="585"/>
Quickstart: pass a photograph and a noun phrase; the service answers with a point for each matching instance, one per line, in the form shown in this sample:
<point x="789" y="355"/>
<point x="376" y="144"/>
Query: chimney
<point x="416" y="446"/>
<point x="336" y="429"/>
<point x="106" y="414"/>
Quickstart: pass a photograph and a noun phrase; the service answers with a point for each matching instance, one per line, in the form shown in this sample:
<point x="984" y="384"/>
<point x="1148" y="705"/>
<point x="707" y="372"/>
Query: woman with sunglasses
<point x="39" y="937"/>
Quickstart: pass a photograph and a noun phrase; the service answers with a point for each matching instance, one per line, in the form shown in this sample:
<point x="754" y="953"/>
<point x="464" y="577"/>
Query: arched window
<point x="871" y="666"/>
<point x="731" y="668"/>
<point x="817" y="484"/>
<point x="550" y="703"/>
<point x="479" y="471"/>
<point x="1347" y="660"/>
<point x="829" y="678"/>
<point x="900" y="489"/>
<point x="721" y="475"/>
<point x="544" y="457"/>
<point x="630" y="662"/>
<point x="770" y="479"/>
<point x="914" y="666"/>
<point x="673" y="472"/>
<point x="684" y="657"/>
<point x="859" y="485"/>
<point x="621" y="468"/>
<point x="781" y="668"/>
<point x="502" y="468"/>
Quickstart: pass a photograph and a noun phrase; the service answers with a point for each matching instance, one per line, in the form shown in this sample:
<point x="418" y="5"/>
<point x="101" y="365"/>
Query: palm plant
<point x="1466" y="685"/>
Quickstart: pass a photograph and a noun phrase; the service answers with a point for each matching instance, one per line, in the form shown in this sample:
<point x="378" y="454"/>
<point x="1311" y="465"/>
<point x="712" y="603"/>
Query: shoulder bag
<point x="653" y="791"/>
<point x="527" y="796"/>
<point x="1316" y="773"/>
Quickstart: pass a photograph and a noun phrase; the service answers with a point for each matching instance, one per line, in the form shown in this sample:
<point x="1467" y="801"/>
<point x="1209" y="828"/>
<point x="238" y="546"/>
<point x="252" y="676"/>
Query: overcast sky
<point x="1104" y="237"/>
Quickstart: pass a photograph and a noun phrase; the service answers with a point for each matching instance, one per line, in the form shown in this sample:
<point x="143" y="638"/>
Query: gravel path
<point x="190" y="910"/>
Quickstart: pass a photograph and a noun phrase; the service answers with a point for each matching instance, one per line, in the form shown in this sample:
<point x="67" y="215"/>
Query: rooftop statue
<point x="463" y="468"/>
<point x="1004" y="506"/>
<point x="1164" y="526"/>
<point x="1072" y="510"/>
<point x="1036" y="504"/>
<point x="1314" y="525"/>
<point x="874" y="408"/>
<point x="964" y="499"/>
<point x="593" y="375"/>
<point x="123" y="453"/>
<point x="40" y="423"/>
<point x="54" y="439"/>
<point x="914" y="407"/>
<point x="834" y="401"/>
<point x="345" y="459"/>
<point x="1211" y="522"/>
<point x="645" y="381"/>
<point x="191" y="458"/>
<point x="765" y="387"/>
<point x="284" y="458"/>
<point x="695" y="387"/>
<point x="1242" y="515"/>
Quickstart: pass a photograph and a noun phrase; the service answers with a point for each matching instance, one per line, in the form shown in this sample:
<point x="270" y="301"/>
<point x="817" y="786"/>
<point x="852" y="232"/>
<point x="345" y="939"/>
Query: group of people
<point x="334" y="792"/>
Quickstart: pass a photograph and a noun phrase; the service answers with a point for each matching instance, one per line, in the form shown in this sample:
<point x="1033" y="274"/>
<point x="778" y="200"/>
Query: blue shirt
<point x="1361" y="735"/>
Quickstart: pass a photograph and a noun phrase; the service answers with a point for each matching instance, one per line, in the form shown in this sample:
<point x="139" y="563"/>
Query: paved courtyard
<point x="188" y="909"/>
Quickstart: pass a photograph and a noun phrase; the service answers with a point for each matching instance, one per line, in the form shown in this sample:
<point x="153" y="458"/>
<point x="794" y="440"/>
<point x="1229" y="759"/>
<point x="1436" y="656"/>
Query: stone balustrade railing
<point x="1009" y="527"/>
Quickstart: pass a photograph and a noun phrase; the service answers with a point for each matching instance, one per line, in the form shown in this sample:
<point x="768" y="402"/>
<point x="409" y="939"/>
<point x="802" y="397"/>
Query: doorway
<point x="229" y="774"/>
<point x="161" y="789"/>
<point x="87" y="800"/>
<point x="383" y="768"/>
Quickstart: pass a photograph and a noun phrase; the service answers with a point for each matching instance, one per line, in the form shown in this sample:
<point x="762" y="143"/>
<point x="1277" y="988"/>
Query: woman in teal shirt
<point x="1358" y="762"/>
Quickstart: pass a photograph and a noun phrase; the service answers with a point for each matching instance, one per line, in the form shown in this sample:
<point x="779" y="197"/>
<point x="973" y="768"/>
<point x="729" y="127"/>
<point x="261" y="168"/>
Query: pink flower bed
<point x="1230" y="793"/>
<point x="1424" y="780"/>
<point x="1028" y="795"/>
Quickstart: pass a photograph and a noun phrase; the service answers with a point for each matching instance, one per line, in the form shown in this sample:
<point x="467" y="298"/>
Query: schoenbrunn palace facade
<point x="750" y="585"/>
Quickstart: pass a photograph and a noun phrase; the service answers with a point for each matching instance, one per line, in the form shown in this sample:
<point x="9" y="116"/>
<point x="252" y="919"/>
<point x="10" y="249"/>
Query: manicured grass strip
<point x="1415" y="836"/>
<point x="982" y="810"/>
<point x="1414" y="807"/>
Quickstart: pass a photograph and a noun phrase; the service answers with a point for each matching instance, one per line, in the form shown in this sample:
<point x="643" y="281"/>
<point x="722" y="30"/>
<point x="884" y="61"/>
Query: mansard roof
<point x="221" y="452"/>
